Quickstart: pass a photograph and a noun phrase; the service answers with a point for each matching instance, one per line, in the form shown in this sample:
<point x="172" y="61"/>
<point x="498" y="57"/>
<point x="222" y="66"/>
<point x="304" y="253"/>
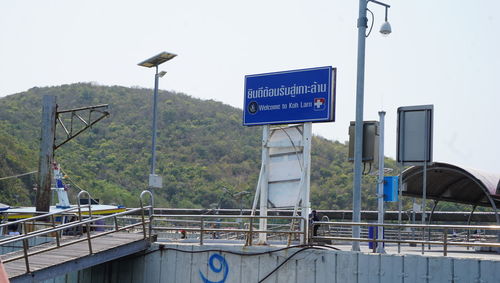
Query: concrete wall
<point x="165" y="264"/>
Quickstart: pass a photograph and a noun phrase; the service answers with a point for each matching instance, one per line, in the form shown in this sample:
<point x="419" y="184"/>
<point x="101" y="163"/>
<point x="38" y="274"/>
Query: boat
<point x="63" y="211"/>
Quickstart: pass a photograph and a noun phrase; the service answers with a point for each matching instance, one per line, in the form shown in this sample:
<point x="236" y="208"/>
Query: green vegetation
<point x="202" y="147"/>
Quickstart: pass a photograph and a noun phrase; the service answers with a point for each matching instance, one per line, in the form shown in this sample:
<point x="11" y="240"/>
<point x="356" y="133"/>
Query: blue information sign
<point x="296" y="96"/>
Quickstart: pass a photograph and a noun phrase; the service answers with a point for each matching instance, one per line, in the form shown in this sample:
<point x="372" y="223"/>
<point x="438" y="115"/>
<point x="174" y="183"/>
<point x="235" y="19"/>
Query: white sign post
<point x="415" y="143"/>
<point x="284" y="180"/>
<point x="289" y="97"/>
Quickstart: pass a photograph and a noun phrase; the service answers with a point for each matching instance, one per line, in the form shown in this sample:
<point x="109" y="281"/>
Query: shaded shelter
<point x="447" y="182"/>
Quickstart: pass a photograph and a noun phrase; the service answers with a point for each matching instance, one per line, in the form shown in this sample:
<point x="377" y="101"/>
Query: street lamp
<point x="155" y="180"/>
<point x="239" y="196"/>
<point x="358" y="131"/>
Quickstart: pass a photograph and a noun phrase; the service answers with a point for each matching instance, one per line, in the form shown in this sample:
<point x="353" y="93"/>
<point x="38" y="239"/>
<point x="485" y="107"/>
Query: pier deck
<point x="74" y="257"/>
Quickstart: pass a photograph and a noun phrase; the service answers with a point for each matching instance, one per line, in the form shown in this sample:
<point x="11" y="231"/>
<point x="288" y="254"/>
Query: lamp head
<point x="385" y="29"/>
<point x="157" y="60"/>
<point x="161" y="74"/>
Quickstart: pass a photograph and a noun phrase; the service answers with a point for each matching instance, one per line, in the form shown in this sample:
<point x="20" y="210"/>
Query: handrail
<point x="90" y="215"/>
<point x="32" y="219"/>
<point x="69" y="243"/>
<point x="60" y="212"/>
<point x="89" y="202"/>
<point x="65" y="226"/>
<point x="151" y="211"/>
<point x="445" y="227"/>
<point x="151" y="200"/>
<point x="226" y="216"/>
<point x="58" y="228"/>
<point x="250" y="231"/>
<point x="465" y="227"/>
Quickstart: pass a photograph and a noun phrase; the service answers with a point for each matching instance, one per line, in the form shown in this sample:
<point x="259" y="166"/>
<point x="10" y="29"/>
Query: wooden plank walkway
<point x="73" y="257"/>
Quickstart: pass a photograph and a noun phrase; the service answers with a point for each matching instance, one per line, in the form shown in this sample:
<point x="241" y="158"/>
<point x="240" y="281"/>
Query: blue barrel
<point x="372" y="234"/>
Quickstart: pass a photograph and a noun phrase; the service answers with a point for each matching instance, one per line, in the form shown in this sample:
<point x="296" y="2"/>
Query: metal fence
<point x="228" y="227"/>
<point x="412" y="234"/>
<point x="45" y="225"/>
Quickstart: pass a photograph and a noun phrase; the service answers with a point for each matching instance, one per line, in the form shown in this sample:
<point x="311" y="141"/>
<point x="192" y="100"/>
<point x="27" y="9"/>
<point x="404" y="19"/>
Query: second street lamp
<point x="155" y="180"/>
<point x="358" y="131"/>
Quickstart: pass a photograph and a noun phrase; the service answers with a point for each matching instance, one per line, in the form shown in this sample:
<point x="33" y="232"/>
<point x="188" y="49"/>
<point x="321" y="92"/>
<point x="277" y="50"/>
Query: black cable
<point x="243" y="254"/>
<point x="373" y="19"/>
<point x="285" y="261"/>
<point x="252" y="254"/>
<point x="66" y="176"/>
<point x="19" y="175"/>
<point x="303" y="248"/>
<point x="293" y="145"/>
<point x="364" y="168"/>
<point x="290" y="257"/>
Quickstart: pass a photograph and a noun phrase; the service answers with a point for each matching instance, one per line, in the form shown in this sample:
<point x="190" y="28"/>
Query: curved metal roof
<point x="447" y="182"/>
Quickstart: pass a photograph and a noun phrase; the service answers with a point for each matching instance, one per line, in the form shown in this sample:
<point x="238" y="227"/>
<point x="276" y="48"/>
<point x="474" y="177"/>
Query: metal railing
<point x="197" y="225"/>
<point x="87" y="221"/>
<point x="397" y="235"/>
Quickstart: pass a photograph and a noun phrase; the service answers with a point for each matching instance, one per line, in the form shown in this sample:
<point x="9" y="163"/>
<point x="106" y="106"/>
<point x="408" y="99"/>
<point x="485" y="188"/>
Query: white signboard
<point x="286" y="161"/>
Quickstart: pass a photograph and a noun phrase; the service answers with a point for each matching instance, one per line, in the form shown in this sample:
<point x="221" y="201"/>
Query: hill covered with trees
<point x="202" y="148"/>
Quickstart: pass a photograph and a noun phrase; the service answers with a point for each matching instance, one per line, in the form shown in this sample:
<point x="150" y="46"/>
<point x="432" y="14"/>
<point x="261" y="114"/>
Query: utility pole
<point x="50" y="118"/>
<point x="380" y="183"/>
<point x="358" y="131"/>
<point x="46" y="153"/>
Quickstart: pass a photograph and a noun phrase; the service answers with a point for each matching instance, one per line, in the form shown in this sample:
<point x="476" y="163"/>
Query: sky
<point x="440" y="52"/>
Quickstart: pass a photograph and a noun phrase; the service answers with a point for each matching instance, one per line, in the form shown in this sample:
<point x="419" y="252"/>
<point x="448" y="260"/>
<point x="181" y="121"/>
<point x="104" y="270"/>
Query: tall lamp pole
<point x="155" y="61"/>
<point x="358" y="130"/>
